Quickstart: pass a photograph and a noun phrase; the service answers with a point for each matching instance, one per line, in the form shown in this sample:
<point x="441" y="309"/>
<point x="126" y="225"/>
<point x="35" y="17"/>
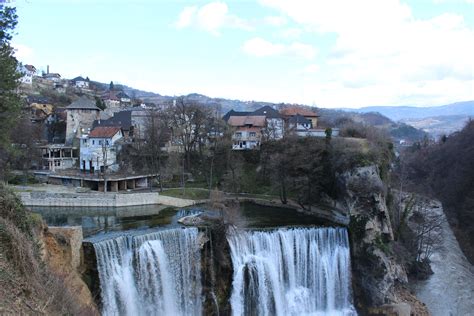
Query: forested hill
<point x="446" y="170"/>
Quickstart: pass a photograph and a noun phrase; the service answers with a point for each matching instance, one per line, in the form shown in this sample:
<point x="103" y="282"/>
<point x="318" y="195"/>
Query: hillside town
<point x="87" y="129"/>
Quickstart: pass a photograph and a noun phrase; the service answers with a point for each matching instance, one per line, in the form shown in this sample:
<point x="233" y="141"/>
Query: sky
<point x="325" y="53"/>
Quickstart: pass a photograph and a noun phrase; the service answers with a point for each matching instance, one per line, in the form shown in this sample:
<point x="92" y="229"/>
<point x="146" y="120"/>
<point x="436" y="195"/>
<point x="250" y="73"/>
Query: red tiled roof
<point x="292" y="111"/>
<point x="104" y="131"/>
<point x="30" y="68"/>
<point x="110" y="95"/>
<point x="254" y="120"/>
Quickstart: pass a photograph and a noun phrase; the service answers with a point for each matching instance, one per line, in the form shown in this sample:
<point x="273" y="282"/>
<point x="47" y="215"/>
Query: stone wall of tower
<point x="79" y="121"/>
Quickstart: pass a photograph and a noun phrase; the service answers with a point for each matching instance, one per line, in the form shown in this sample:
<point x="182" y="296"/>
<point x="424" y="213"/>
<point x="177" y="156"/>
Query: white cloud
<point x="275" y="20"/>
<point x="301" y="50"/>
<point x="291" y="33"/>
<point x="262" y="48"/>
<point x="311" y="69"/>
<point x="23" y="53"/>
<point x="383" y="53"/>
<point x="186" y="17"/>
<point x="211" y="17"/>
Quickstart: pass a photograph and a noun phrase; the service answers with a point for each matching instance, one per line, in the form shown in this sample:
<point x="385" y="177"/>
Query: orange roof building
<point x="307" y="113"/>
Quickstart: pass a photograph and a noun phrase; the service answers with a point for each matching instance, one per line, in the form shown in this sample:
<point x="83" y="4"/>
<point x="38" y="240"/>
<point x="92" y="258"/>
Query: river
<point x="450" y="290"/>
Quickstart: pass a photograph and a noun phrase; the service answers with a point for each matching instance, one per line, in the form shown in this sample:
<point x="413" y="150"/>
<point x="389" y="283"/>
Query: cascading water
<point x="303" y="271"/>
<point x="151" y="274"/>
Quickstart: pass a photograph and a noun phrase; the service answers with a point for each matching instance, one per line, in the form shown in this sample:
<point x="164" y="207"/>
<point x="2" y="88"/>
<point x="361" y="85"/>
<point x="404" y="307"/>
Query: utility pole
<point x="104" y="160"/>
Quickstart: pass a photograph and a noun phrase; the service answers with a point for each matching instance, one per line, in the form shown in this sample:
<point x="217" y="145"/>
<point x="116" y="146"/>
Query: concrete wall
<point x="101" y="199"/>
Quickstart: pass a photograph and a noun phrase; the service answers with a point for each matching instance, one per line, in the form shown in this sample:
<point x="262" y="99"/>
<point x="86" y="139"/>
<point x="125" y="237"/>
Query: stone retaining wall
<point x="100" y="199"/>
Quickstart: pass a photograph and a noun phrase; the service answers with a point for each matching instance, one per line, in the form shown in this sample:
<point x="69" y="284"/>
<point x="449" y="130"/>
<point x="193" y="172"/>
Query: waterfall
<point x="304" y="271"/>
<point x="153" y="274"/>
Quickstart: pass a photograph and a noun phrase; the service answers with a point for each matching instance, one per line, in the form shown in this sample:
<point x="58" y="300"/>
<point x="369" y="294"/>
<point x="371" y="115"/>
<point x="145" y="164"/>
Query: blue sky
<point x="326" y="53"/>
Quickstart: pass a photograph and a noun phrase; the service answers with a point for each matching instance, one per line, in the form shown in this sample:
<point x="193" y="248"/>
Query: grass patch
<point x="189" y="193"/>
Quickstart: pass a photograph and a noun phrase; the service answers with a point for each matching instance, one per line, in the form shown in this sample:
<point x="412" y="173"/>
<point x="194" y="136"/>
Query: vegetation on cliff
<point x="27" y="284"/>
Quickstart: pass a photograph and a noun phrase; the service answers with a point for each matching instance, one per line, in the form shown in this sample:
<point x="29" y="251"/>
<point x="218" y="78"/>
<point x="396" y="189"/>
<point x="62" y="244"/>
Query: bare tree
<point x="273" y="130"/>
<point x="229" y="209"/>
<point x="428" y="230"/>
<point x="25" y="138"/>
<point x="187" y="122"/>
<point x="157" y="133"/>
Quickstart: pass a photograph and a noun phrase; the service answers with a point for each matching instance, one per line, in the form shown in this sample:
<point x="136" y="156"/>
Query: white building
<point x="80" y="82"/>
<point x="28" y="72"/>
<point x="99" y="149"/>
<point x="274" y="127"/>
<point x="54" y="77"/>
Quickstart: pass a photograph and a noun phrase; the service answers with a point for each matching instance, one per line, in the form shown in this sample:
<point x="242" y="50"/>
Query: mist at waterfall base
<point x="299" y="271"/>
<point x="303" y="271"/>
<point x="152" y="274"/>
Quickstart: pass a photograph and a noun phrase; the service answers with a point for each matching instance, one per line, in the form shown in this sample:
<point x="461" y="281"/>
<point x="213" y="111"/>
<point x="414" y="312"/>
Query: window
<point x="93" y="142"/>
<point x="84" y="141"/>
<point x="253" y="134"/>
<point x="100" y="142"/>
<point x="238" y="134"/>
<point x="107" y="142"/>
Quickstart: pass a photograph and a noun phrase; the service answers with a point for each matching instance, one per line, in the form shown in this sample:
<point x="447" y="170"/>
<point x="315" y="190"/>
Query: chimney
<point x="47" y="69"/>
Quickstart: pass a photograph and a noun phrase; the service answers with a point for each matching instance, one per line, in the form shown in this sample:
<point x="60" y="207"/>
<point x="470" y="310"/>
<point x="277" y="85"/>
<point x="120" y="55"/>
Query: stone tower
<point x="80" y="116"/>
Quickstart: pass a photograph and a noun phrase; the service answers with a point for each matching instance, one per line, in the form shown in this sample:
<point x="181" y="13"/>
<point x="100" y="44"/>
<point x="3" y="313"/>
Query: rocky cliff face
<point x="378" y="280"/>
<point x="62" y="251"/>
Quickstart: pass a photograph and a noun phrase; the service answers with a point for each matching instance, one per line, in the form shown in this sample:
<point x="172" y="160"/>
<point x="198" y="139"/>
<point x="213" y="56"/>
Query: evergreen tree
<point x="100" y="103"/>
<point x="111" y="86"/>
<point x="9" y="81"/>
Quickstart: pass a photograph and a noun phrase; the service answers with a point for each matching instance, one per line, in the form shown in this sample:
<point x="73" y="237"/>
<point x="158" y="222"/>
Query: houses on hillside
<point x="122" y="119"/>
<point x="250" y="128"/>
<point x="28" y="71"/>
<point x="54" y="77"/>
<point x="116" y="99"/>
<point x="80" y="82"/>
<point x="266" y="123"/>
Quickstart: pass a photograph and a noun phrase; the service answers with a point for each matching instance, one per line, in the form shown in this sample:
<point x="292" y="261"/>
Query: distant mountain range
<point x="397" y="113"/>
<point x="435" y="120"/>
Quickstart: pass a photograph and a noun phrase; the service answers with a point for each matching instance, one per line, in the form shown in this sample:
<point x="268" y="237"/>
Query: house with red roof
<point x="304" y="122"/>
<point x="248" y="131"/>
<point x="251" y="128"/>
<point x="297" y="114"/>
<point x="99" y="149"/>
